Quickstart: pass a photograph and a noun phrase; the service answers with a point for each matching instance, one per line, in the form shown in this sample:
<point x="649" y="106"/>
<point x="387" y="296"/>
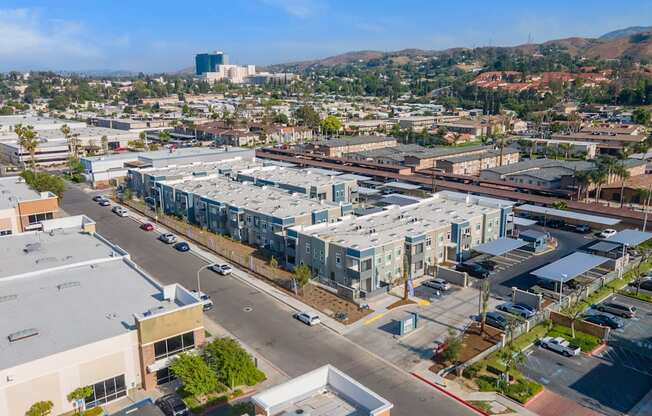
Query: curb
<point x="451" y="395"/>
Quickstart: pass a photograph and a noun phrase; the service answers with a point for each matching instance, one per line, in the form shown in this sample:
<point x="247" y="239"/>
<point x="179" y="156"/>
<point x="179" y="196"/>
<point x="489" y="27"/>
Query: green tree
<point x="273" y="263"/>
<point x="453" y="347"/>
<point x="302" y="275"/>
<point x="641" y="116"/>
<point x="307" y="116"/>
<point x="164" y="136"/>
<point x="485" y="295"/>
<point x="231" y="363"/>
<point x="281" y="118"/>
<point x="563" y="205"/>
<point x="44" y="182"/>
<point x="79" y="393"/>
<point x="331" y="125"/>
<point x="42" y="408"/>
<point x="196" y="377"/>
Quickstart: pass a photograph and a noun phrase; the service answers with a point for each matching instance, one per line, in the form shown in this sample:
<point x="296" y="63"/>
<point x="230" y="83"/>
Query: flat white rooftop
<point x="263" y="200"/>
<point x="304" y="178"/>
<point x="397" y="223"/>
<point x="236" y="164"/>
<point x="14" y="189"/>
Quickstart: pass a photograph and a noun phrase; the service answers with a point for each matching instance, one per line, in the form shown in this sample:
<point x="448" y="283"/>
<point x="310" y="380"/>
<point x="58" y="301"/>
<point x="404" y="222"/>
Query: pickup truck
<point x="559" y="345"/>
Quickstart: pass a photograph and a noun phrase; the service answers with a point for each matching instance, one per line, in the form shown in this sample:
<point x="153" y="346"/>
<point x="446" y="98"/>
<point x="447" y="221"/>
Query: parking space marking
<point x="375" y="318"/>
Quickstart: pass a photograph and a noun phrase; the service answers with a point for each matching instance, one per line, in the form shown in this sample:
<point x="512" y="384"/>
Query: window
<point x="164" y="375"/>
<point x="388" y="258"/>
<point x="174" y="345"/>
<point x="428" y="241"/>
<point x="448" y="236"/>
<point x="419" y="248"/>
<point x="106" y="391"/>
<point x="34" y="218"/>
<point x="338" y="259"/>
<point x="366" y="265"/>
<point x="477" y="226"/>
<point x="307" y="248"/>
<point x="5" y="232"/>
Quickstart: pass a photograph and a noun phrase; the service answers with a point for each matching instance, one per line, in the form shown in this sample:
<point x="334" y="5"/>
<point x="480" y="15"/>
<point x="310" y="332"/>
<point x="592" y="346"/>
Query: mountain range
<point x="634" y="42"/>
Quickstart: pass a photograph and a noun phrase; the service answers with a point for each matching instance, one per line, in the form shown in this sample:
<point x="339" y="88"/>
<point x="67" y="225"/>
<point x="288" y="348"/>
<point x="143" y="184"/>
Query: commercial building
<point x="39" y="123"/>
<point x="47" y="153"/>
<point x="362" y="256"/>
<point x="22" y="208"/>
<point x="471" y="128"/>
<point x="416" y="123"/>
<point x="325" y="391"/>
<point x="552" y="174"/>
<point x="336" y="147"/>
<point x="588" y="150"/>
<point x="236" y="74"/>
<point x="306" y="182"/>
<point x="252" y="214"/>
<point x="107" y="170"/>
<point x="208" y="62"/>
<point x="130" y="124"/>
<point x="78" y="312"/>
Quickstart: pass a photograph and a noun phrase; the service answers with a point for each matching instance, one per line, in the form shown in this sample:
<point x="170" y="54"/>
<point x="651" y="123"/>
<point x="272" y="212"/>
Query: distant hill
<point x="633" y="42"/>
<point x="623" y="33"/>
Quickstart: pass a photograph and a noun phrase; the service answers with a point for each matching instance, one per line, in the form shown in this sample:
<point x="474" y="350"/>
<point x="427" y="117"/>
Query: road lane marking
<point x="375" y="318"/>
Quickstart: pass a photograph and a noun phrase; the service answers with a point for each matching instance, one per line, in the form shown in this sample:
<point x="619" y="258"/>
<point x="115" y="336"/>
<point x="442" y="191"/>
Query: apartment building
<point x="78" y="312"/>
<point x="308" y="182"/>
<point x="22" y="208"/>
<point x="605" y="143"/>
<point x="336" y="147"/>
<point x="587" y="149"/>
<point x="473" y="163"/>
<point x="366" y="255"/>
<point x="471" y="128"/>
<point x="252" y="214"/>
<point x="416" y="123"/>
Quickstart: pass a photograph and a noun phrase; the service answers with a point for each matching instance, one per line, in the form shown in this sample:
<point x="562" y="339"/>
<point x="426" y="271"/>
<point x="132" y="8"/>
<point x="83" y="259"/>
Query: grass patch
<point x="586" y="342"/>
<point x="523" y="390"/>
<point x="528" y="338"/>
<point x="640" y="296"/>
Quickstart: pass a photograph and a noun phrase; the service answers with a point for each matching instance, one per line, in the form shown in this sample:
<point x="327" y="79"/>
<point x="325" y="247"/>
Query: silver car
<point x="519" y="309"/>
<point x="437" y="284"/>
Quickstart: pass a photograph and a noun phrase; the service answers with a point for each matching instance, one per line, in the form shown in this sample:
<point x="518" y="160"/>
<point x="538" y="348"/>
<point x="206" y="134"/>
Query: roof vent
<point x="25" y="333"/>
<point x="32" y="247"/>
<point x="154" y="310"/>
<point x="8" y="298"/>
<point x="67" y="285"/>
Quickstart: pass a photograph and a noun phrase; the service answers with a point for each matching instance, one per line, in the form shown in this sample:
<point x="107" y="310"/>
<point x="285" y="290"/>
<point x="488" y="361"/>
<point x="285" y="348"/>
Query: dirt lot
<point x="473" y="343"/>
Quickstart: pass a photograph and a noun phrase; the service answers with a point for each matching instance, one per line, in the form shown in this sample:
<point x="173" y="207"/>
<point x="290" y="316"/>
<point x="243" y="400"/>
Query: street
<point x="260" y="321"/>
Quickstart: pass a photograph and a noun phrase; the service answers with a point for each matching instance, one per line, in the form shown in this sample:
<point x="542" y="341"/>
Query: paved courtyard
<point x="455" y="309"/>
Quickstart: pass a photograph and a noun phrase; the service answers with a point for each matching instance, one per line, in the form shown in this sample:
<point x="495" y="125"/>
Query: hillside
<point x="633" y="42"/>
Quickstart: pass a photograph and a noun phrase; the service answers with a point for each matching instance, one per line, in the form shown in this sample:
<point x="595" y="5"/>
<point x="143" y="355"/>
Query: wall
<point x="55" y="376"/>
<point x="453" y="276"/>
<point x="583" y="326"/>
<point x="38" y="206"/>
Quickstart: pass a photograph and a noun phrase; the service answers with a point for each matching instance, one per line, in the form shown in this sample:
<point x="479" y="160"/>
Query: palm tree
<point x="582" y="180"/>
<point x="511" y="359"/>
<point x="566" y="148"/>
<point x="621" y="171"/>
<point x="599" y="177"/>
<point x="27" y="140"/>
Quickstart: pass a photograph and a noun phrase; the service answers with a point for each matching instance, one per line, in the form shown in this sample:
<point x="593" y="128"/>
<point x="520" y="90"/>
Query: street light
<point x="206" y="266"/>
<point x="564" y="276"/>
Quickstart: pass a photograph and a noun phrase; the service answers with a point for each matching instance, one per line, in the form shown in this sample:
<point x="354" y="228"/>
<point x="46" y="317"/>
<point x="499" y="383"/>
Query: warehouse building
<point x="78" y="312"/>
<point x="366" y="255"/>
<point x="22" y="208"/>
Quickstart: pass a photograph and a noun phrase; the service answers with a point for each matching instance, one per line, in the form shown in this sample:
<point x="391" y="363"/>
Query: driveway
<point x="611" y="383"/>
<point x="636" y="336"/>
<point x="453" y="310"/>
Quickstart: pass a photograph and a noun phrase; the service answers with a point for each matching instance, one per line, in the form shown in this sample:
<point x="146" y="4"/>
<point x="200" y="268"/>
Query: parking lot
<point x="612" y="381"/>
<point x="455" y="309"/>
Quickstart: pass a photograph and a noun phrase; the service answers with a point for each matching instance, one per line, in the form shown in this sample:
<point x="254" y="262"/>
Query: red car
<point x="147" y="227"/>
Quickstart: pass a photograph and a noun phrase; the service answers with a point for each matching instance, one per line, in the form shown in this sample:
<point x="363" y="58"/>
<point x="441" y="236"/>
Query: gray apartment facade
<point x="366" y="255"/>
<point x="254" y="215"/>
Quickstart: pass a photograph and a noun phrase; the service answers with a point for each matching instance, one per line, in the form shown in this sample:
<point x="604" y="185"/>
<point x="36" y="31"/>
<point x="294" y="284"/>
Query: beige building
<point x="78" y="312"/>
<point x="336" y="147"/>
<point x="22" y="208"/>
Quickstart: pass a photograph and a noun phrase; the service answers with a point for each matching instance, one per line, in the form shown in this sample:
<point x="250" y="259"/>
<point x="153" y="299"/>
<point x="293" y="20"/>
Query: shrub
<point x="487" y="383"/>
<point x="197" y="378"/>
<point x="472" y="371"/>
<point x="522" y="390"/>
<point x="232" y="364"/>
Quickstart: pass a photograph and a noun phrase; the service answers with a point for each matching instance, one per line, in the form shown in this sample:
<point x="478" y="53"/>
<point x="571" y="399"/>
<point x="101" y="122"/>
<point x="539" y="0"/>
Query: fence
<point x="242" y="255"/>
<point x="453" y="276"/>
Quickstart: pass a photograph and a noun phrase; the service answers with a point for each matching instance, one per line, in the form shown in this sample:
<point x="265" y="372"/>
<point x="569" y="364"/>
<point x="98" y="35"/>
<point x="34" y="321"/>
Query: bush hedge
<point x="586" y="342"/>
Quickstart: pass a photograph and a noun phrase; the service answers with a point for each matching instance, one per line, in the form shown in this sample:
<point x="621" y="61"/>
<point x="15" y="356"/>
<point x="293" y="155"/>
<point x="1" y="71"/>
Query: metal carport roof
<point x="569" y="267"/>
<point x="571" y="215"/>
<point x="630" y="237"/>
<point x="500" y="246"/>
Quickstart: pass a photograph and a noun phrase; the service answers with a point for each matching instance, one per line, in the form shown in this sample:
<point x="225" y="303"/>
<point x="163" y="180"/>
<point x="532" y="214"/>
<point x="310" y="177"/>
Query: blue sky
<point x="150" y="36"/>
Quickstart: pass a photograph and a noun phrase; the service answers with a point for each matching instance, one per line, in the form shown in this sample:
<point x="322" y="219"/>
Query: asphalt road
<point x="268" y="327"/>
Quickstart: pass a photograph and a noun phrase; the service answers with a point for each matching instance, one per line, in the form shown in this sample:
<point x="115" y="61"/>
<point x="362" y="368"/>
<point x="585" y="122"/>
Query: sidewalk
<point x="498" y="402"/>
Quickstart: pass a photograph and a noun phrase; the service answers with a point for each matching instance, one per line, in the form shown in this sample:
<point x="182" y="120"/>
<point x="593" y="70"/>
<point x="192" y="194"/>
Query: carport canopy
<point x="500" y="246"/>
<point x="630" y="237"/>
<point x="567" y="215"/>
<point x="569" y="267"/>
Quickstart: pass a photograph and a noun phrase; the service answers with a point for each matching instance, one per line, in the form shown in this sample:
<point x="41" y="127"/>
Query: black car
<point x="182" y="246"/>
<point x="171" y="405"/>
<point x="488" y="264"/>
<point x="496" y="320"/>
<point x="605" y="320"/>
<point x="473" y="269"/>
<point x="555" y="224"/>
<point x="646" y="283"/>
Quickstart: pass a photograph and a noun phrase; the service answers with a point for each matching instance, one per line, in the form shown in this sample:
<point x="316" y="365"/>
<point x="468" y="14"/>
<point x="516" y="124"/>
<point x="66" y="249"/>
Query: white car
<point x="122" y="212"/>
<point x="223" y="269"/>
<point x="560" y="345"/>
<point x="437" y="284"/>
<point x="308" y="318"/>
<point x="607" y="233"/>
<point x="168" y="238"/>
<point x="207" y="303"/>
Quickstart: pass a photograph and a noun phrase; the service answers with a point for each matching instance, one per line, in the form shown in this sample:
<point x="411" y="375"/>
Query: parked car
<point x="172" y="405"/>
<point x="496" y="320"/>
<point x="605" y="320"/>
<point x="473" y="269"/>
<point x="617" y="309"/>
<point x="437" y="284"/>
<point x="308" y="318"/>
<point x="98" y="198"/>
<point x="182" y="246"/>
<point x="579" y="228"/>
<point x="606" y="233"/>
<point x="105" y="203"/>
<point x="147" y="227"/>
<point x="120" y="211"/>
<point x="519" y="309"/>
<point x="222" y="269"/>
<point x="207" y="303"/>
<point x="168" y="238"/>
<point x="488" y="264"/>
<point x="556" y="224"/>
<point x="646" y="284"/>
<point x="559" y="345"/>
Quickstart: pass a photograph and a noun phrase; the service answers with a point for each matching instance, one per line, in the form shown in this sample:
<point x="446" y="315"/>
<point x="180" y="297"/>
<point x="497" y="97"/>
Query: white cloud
<point x="29" y="39"/>
<point x="298" y="8"/>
